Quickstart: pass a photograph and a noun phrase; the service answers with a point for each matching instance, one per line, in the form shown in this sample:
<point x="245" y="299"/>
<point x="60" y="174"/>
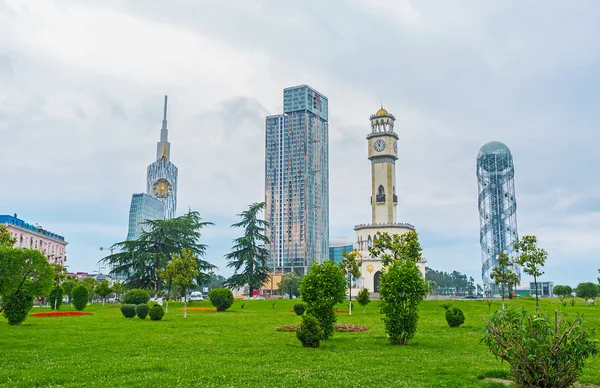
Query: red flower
<point x="60" y="314"/>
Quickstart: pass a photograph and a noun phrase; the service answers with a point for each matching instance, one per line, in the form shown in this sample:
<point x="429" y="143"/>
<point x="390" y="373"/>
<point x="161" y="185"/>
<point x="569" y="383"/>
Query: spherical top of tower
<point x="494" y="148"/>
<point x="381" y="112"/>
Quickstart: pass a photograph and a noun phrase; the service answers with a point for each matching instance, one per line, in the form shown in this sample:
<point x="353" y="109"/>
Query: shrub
<point x="81" y="294"/>
<point x="454" y="317"/>
<point x="156" y="312"/>
<point x="128" y="310"/>
<point x="136" y="296"/>
<point x="142" y="310"/>
<point x="55" y="298"/>
<point x="540" y="353"/>
<point x="322" y="288"/>
<point x="363" y="299"/>
<point x="221" y="298"/>
<point x="299" y="308"/>
<point x="17" y="308"/>
<point x="310" y="332"/>
<point x="446" y="306"/>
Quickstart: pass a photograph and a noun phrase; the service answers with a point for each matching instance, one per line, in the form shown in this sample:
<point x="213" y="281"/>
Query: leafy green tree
<point x="6" y="240"/>
<point x="23" y="272"/>
<point x="351" y="268"/>
<point x="587" y="291"/>
<point x="321" y="289"/>
<point x="184" y="269"/>
<point x="117" y="288"/>
<point x="248" y="253"/>
<point x="402" y="287"/>
<point x="363" y="299"/>
<point x="103" y="289"/>
<point x="562" y="291"/>
<point x="91" y="284"/>
<point x="167" y="275"/>
<point x="60" y="273"/>
<point x="532" y="259"/>
<point x="289" y="283"/>
<point x="55" y="297"/>
<point x="141" y="259"/>
<point x="503" y="273"/>
<point x="68" y="286"/>
<point x="81" y="295"/>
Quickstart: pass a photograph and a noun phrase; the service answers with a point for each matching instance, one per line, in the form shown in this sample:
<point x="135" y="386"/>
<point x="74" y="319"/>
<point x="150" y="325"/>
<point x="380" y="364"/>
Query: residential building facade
<point x="297" y="181"/>
<point x="29" y="236"/>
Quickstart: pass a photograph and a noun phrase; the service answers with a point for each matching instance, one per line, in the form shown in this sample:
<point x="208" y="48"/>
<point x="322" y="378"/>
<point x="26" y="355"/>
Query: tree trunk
<point x="184" y="303"/>
<point x="502" y="294"/>
<point x="537" y="311"/>
<point x="103" y="299"/>
<point x="291" y="288"/>
<point x="350" y="297"/>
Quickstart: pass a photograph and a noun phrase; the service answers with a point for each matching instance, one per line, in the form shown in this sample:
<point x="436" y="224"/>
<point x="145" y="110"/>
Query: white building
<point x="383" y="153"/>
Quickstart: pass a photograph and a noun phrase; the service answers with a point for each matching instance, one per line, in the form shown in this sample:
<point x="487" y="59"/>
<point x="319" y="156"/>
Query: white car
<point x="196" y="296"/>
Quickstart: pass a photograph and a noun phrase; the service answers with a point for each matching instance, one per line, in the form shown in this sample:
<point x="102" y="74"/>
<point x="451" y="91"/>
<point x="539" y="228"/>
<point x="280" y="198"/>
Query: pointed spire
<point x="381" y="104"/>
<point x="164" y="154"/>
<point x="165" y="115"/>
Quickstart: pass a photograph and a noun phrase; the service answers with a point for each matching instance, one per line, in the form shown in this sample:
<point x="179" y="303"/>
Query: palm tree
<point x="140" y="260"/>
<point x="248" y="253"/>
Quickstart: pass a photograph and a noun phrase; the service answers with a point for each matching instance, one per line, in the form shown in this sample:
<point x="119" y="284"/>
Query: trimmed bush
<point x="55" y="298"/>
<point x="310" y="332"/>
<point x="156" y="312"/>
<point x="18" y="307"/>
<point x="454" y="317"/>
<point x="221" y="298"/>
<point x="299" y="308"/>
<point x="128" y="310"/>
<point x="81" y="295"/>
<point x="142" y="310"/>
<point x="136" y="296"/>
<point x="363" y="299"/>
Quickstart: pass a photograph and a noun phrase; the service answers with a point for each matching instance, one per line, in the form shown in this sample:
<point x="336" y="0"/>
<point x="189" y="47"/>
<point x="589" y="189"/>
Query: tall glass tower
<point x="497" y="206"/>
<point x="297" y="181"/>
<point x="143" y="207"/>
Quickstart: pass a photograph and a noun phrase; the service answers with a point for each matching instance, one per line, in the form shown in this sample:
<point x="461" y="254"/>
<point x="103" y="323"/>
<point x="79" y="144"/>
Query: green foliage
<point x="448" y="283"/>
<point x="181" y="271"/>
<point x="310" y="332"/>
<point x="221" y="298"/>
<point x="503" y="273"/>
<point x="562" y="291"/>
<point x="248" y="255"/>
<point x="118" y="289"/>
<point x="142" y="310"/>
<point x="156" y="312"/>
<point x="136" y="296"/>
<point x="23" y="271"/>
<point x="81" y="295"/>
<point x="17" y="307"/>
<point x="6" y="240"/>
<point x="532" y="259"/>
<point x="68" y="287"/>
<point x="128" y="310"/>
<point x="289" y="284"/>
<point x="322" y="288"/>
<point x="55" y="297"/>
<point x="141" y="259"/>
<point x="402" y="287"/>
<point x="454" y="317"/>
<point x="572" y="302"/>
<point x="587" y="290"/>
<point x="540" y="353"/>
<point x="103" y="289"/>
<point x="363" y="299"/>
<point x="299" y="308"/>
<point x="446" y="306"/>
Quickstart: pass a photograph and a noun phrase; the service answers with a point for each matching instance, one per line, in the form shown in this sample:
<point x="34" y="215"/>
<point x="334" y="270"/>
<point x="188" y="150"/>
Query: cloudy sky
<point x="82" y="86"/>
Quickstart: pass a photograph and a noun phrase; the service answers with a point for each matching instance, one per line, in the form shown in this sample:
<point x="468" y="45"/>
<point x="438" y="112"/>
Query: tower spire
<point x="164" y="154"/>
<point x="164" y="122"/>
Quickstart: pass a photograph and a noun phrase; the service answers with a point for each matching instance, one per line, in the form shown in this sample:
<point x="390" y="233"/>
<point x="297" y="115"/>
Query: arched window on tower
<point x="369" y="242"/>
<point x="380" y="194"/>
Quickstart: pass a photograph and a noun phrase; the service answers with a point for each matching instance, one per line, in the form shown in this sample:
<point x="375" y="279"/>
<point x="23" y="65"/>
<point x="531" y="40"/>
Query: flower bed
<point x="200" y="308"/>
<point x="341" y="327"/>
<point x="60" y="314"/>
<point x="335" y="311"/>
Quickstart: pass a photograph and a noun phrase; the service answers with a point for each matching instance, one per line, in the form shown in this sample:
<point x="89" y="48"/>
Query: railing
<point x="385" y="224"/>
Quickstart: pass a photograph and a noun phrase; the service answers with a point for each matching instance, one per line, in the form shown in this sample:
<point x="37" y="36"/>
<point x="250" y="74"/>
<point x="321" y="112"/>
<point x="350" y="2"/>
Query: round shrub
<point x="55" y="298"/>
<point x="136" y="296"/>
<point x="299" y="308"/>
<point x="142" y="310"/>
<point x="221" y="298"/>
<point x="156" y="312"/>
<point x="128" y="310"/>
<point x="17" y="308"/>
<point x="310" y="332"/>
<point x="454" y="317"/>
<point x="81" y="295"/>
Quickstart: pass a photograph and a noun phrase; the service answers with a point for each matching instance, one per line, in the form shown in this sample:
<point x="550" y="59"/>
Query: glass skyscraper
<point x="297" y="181"/>
<point x="335" y="252"/>
<point x="143" y="207"/>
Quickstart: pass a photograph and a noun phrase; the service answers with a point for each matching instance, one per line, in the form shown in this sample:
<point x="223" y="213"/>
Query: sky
<point x="82" y="86"/>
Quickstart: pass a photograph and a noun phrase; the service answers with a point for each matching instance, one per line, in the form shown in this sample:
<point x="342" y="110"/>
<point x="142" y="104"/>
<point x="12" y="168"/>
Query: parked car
<point x="196" y="296"/>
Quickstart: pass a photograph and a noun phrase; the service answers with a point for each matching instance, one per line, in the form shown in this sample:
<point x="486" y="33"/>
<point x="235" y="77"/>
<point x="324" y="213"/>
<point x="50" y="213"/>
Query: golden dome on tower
<point x="381" y="111"/>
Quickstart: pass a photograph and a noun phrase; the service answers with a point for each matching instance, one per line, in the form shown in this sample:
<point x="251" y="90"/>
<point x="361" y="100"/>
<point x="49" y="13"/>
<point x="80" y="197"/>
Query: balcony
<point x="380" y="198"/>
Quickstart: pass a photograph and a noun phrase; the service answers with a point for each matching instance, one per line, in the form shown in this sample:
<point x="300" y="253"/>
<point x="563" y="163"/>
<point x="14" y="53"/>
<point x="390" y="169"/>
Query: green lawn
<point x="240" y="347"/>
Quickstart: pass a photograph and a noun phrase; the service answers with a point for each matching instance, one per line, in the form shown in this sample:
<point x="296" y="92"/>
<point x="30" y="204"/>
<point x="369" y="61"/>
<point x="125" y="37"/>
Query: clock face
<point x="161" y="188"/>
<point x="395" y="147"/>
<point x="379" y="145"/>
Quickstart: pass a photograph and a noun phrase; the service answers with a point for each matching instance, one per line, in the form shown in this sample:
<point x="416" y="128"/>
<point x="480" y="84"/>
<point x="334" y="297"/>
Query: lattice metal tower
<point x="497" y="207"/>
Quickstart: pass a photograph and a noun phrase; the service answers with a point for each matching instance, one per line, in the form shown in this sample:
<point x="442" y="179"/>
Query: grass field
<point x="240" y="347"/>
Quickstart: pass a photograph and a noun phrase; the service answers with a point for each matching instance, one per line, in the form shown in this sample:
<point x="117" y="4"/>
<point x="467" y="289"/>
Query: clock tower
<point x="383" y="153"/>
<point x="161" y="182"/>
